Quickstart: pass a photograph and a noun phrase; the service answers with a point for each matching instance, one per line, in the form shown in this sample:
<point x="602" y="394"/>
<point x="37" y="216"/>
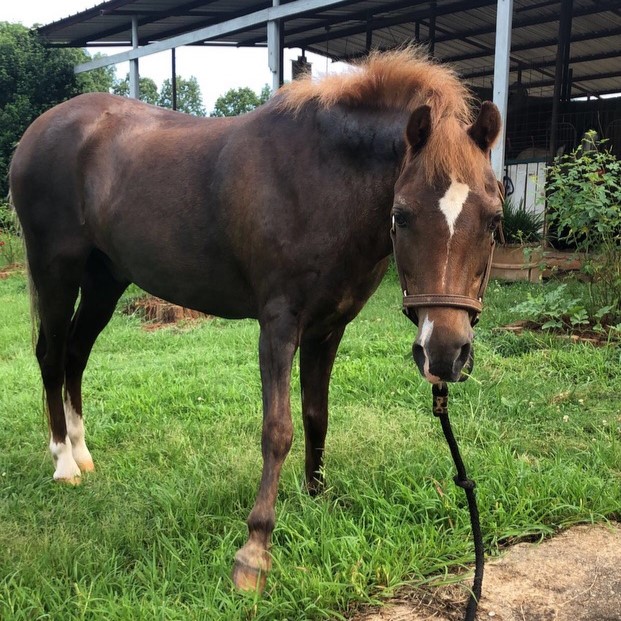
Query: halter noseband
<point x="446" y="300"/>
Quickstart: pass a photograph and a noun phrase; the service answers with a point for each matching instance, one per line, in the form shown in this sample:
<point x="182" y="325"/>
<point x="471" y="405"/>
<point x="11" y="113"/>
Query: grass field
<point x="173" y="421"/>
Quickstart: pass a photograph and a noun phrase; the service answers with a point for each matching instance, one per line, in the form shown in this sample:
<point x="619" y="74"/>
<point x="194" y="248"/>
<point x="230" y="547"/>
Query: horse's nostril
<point x="464" y="355"/>
<point x="419" y="356"/>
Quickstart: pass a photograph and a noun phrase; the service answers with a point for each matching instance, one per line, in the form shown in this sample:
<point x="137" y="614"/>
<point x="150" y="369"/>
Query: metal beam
<point x="180" y="10"/>
<point x="586" y="36"/>
<point x="364" y="16"/>
<point x="593" y="77"/>
<point x="134" y="73"/>
<point x="551" y="62"/>
<point x="142" y="21"/>
<point x="298" y="7"/>
<point x="504" y="17"/>
<point x="599" y="7"/>
<point x="173" y="32"/>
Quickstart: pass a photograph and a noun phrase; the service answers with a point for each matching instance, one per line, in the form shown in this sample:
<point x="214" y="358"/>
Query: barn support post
<point x="562" y="69"/>
<point x="274" y="50"/>
<point x="504" y="19"/>
<point x="432" y="29"/>
<point x="174" y="77"/>
<point x="369" y="41"/>
<point x="134" y="74"/>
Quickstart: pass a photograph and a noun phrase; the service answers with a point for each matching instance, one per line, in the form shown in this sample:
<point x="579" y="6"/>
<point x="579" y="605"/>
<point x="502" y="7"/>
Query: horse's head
<point x="447" y="205"/>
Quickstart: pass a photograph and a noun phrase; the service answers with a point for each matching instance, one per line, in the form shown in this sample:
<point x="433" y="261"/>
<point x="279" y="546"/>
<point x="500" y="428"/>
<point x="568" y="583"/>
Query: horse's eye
<point x="401" y="218"/>
<point x="494" y="222"/>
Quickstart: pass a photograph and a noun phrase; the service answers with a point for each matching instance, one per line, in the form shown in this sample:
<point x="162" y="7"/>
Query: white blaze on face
<point x="452" y="203"/>
<point x="424" y="335"/>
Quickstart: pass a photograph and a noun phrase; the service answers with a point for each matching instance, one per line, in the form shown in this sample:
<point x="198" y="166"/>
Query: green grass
<point x="173" y="421"/>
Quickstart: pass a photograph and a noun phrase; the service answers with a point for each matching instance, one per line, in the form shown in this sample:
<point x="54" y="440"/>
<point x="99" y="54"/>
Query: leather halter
<point x="445" y="300"/>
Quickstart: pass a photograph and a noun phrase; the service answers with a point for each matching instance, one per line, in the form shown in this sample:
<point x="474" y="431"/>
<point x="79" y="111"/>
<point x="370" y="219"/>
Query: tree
<point x="147" y="87"/>
<point x="189" y="97"/>
<point x="239" y="101"/>
<point x="34" y="78"/>
<point x="100" y="80"/>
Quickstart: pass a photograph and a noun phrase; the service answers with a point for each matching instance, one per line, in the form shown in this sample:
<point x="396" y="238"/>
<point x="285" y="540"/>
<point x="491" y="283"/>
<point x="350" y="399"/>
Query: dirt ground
<point x="575" y="576"/>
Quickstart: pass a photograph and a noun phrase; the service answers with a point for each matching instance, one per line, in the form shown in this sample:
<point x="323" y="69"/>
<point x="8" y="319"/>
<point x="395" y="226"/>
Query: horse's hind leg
<point x="316" y="360"/>
<point x="100" y="292"/>
<point x="57" y="290"/>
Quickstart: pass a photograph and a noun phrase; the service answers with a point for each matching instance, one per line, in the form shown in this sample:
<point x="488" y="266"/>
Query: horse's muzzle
<point x="448" y="364"/>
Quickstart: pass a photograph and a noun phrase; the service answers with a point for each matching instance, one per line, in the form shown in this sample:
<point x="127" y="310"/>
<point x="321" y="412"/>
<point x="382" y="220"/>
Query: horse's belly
<point x="208" y="283"/>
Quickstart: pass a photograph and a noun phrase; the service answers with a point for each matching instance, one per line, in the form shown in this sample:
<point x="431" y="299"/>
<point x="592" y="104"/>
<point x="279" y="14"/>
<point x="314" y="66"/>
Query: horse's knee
<point x="277" y="437"/>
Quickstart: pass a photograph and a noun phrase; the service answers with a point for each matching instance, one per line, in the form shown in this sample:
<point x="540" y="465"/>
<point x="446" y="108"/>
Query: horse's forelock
<point x="450" y="154"/>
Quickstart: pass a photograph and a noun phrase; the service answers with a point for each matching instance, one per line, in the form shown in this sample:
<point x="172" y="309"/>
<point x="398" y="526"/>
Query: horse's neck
<point x="366" y="148"/>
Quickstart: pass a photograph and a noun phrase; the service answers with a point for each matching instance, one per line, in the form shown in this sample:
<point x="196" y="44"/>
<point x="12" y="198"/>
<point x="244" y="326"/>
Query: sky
<point x="217" y="69"/>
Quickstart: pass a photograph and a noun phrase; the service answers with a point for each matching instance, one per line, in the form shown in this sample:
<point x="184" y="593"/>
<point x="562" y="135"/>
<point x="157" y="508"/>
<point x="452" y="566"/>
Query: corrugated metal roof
<point x="464" y="33"/>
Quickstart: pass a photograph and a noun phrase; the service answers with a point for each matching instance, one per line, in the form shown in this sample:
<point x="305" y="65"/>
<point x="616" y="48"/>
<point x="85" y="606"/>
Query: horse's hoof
<point x="67" y="471"/>
<point x="248" y="579"/>
<point x="74" y="480"/>
<point x="252" y="564"/>
<point x="86" y="465"/>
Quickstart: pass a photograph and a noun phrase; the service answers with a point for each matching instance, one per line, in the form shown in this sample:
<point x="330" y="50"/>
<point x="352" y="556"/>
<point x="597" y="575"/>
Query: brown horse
<point x="283" y="214"/>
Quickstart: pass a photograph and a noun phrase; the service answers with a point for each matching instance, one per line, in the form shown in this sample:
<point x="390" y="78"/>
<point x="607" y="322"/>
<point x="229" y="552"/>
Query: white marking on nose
<point x="424" y="335"/>
<point x="452" y="203"/>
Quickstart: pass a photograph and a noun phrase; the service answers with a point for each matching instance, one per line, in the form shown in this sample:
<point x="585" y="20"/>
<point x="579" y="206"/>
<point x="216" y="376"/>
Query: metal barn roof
<point x="461" y="32"/>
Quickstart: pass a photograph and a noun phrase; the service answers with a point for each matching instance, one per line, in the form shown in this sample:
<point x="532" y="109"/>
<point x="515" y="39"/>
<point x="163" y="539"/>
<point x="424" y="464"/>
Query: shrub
<point x="519" y="225"/>
<point x="584" y="205"/>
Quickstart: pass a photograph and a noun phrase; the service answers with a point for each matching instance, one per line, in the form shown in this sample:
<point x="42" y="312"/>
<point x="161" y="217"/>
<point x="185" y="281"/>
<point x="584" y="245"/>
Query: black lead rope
<point x="440" y="409"/>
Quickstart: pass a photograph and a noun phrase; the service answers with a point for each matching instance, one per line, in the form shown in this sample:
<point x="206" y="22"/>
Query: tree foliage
<point x="239" y="101"/>
<point x="147" y="87"/>
<point x="34" y="78"/>
<point x="101" y="80"/>
<point x="189" y="97"/>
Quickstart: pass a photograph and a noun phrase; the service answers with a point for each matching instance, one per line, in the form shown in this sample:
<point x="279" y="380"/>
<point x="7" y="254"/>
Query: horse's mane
<point x="403" y="79"/>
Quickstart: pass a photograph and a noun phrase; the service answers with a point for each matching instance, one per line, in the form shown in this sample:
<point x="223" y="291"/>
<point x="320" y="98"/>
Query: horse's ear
<point x="486" y="128"/>
<point x="419" y="127"/>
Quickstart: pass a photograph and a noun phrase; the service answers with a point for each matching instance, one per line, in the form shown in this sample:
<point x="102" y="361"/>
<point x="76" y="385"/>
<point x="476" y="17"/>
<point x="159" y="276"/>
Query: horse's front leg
<point x="277" y="346"/>
<point x="316" y="360"/>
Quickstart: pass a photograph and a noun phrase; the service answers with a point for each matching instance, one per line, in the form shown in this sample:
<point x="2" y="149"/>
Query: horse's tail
<point x="35" y="320"/>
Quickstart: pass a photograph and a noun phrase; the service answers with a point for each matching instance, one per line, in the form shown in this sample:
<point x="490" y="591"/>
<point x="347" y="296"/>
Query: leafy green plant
<point x="584" y="205"/>
<point x="520" y="225"/>
<point x="10" y="246"/>
<point x="8" y="219"/>
<point x="554" y="308"/>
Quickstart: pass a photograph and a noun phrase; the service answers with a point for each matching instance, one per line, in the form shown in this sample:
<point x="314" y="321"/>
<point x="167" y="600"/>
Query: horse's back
<point x="139" y="184"/>
<point x="71" y="136"/>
